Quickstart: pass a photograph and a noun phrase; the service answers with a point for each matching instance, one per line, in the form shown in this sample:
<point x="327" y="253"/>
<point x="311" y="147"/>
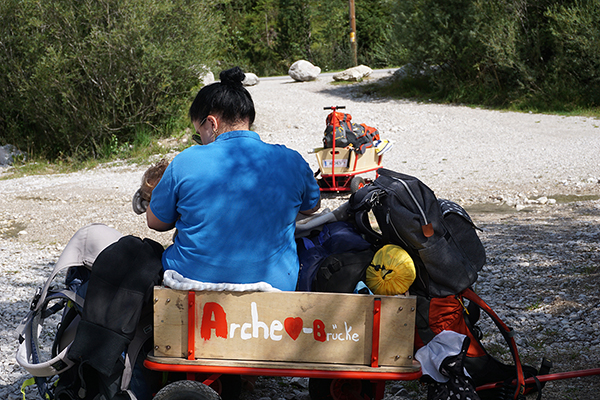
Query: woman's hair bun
<point x="233" y="76"/>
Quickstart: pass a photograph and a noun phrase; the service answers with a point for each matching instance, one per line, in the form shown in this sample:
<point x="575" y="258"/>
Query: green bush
<point x="80" y="78"/>
<point x="539" y="54"/>
<point x="330" y="47"/>
<point x="576" y="67"/>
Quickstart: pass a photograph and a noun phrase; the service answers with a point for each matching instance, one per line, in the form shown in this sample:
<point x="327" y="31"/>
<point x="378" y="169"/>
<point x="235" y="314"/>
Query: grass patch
<point x="538" y="344"/>
<point x="535" y="305"/>
<point x="552" y="333"/>
<point x="341" y="83"/>
<point x="145" y="147"/>
<point x="590" y="269"/>
<point x="500" y="351"/>
<point x="424" y="89"/>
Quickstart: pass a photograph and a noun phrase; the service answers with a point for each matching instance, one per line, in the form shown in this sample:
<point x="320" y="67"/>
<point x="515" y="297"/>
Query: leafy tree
<point x="330" y="28"/>
<point x="374" y="23"/>
<point x="439" y="33"/>
<point x="576" y="31"/>
<point x="269" y="35"/>
<point x="294" y="30"/>
<point x="252" y="35"/>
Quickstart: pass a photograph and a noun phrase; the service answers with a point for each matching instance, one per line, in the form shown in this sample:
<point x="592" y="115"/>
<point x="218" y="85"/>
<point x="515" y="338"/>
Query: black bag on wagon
<point x="438" y="234"/>
<point x="338" y="128"/>
<point x="442" y="240"/>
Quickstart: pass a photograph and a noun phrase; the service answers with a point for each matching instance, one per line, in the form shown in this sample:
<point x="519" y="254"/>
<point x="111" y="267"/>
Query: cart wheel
<point x="347" y="389"/>
<point x="319" y="389"/>
<point x="231" y="387"/>
<point x="356" y="183"/>
<point x="339" y="389"/>
<point x="186" y="390"/>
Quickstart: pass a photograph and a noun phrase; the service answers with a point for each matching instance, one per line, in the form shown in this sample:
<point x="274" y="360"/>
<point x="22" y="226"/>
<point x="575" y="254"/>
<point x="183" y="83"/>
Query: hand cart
<point x="348" y="345"/>
<point x="340" y="168"/>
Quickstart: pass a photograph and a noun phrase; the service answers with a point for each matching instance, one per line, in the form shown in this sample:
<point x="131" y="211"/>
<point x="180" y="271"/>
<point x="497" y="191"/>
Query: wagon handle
<point x="333" y="108"/>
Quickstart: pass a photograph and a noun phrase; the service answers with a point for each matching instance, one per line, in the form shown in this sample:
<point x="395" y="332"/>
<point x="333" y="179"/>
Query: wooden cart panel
<point x="346" y="161"/>
<point x="285" y="327"/>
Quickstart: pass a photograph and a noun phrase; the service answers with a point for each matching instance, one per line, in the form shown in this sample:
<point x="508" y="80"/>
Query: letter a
<point x="218" y="323"/>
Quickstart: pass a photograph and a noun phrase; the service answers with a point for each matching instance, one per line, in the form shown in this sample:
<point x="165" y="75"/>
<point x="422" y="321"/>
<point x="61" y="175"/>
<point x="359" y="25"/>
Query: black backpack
<point x="438" y="234"/>
<point x="442" y="240"/>
<point x="345" y="133"/>
<point x="340" y="273"/>
<point x="338" y="128"/>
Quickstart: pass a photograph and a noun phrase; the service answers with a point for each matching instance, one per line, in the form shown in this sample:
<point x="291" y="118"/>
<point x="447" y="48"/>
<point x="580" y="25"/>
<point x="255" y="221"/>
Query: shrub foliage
<point x="81" y="76"/>
<point x="269" y="35"/>
<point x="535" y="53"/>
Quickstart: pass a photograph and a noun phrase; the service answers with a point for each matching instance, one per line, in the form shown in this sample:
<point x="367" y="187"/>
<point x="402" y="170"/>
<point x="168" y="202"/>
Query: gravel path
<point x="530" y="181"/>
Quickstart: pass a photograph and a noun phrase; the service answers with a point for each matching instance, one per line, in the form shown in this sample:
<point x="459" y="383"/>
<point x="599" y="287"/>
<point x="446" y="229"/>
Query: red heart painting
<point x="293" y="327"/>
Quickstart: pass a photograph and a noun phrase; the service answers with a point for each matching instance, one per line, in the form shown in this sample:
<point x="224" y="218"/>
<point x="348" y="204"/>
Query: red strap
<point x="506" y="332"/>
<point x="191" y="325"/>
<point x="376" y="332"/>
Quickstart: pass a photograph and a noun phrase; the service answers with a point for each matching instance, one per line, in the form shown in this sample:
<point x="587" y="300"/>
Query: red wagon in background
<point x="340" y="168"/>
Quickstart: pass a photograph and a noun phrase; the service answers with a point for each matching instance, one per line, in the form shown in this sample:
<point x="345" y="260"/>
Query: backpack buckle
<point x="374" y="198"/>
<point x="36" y="298"/>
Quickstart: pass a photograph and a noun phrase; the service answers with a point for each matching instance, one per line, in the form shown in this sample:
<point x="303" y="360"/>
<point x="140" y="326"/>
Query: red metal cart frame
<point x="347" y="177"/>
<point x="208" y="371"/>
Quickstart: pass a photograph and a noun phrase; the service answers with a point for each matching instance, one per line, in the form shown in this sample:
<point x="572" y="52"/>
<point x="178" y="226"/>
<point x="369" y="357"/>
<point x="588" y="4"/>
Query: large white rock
<point x="353" y="74"/>
<point x="206" y="76"/>
<point x="303" y="71"/>
<point x="7" y="154"/>
<point x="250" y="79"/>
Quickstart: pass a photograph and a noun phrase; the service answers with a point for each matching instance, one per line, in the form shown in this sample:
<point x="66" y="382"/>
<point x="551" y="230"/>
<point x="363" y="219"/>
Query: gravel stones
<point x="543" y="272"/>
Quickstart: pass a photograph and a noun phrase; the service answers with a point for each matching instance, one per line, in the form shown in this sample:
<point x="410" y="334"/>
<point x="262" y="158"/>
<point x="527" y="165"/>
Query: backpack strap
<point x="508" y="334"/>
<point x="362" y="221"/>
<point x="361" y="203"/>
<point x="28" y="352"/>
<point x="143" y="333"/>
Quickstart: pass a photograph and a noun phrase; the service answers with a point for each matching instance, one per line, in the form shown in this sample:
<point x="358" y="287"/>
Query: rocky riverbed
<point x="530" y="181"/>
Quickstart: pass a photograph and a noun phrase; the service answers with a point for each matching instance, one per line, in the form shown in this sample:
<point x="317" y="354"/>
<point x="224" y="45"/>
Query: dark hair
<point x="228" y="98"/>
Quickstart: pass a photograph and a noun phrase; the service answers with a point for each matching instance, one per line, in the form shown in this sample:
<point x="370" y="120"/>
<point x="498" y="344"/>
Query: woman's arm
<point x="312" y="210"/>
<point x="157" y="224"/>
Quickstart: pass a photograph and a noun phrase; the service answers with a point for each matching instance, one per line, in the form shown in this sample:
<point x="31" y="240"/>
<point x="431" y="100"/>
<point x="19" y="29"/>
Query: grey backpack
<point x="48" y="330"/>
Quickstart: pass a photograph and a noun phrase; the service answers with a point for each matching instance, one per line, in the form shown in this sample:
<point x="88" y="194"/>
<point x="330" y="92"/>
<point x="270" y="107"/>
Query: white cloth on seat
<point x="175" y="280"/>
<point x="444" y="344"/>
<point x="306" y="224"/>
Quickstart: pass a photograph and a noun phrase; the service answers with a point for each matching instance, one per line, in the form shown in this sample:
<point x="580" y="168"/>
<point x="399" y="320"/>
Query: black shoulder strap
<point x="360" y="204"/>
<point x="143" y="333"/>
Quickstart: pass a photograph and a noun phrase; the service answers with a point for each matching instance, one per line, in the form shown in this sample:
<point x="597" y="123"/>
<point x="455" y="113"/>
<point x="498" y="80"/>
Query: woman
<point x="234" y="200"/>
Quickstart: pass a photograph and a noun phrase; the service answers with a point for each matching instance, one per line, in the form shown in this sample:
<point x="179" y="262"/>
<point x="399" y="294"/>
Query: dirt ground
<point x="531" y="182"/>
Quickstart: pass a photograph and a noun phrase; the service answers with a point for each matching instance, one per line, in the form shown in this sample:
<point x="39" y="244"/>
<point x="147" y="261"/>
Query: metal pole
<point x="547" y="378"/>
<point x="353" y="33"/>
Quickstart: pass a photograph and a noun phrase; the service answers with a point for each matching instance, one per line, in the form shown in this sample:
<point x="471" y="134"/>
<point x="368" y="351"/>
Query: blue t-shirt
<point x="234" y="203"/>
